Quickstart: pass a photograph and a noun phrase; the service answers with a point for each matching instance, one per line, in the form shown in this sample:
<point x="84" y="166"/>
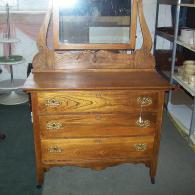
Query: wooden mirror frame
<point x="92" y="46"/>
<point x="49" y="60"/>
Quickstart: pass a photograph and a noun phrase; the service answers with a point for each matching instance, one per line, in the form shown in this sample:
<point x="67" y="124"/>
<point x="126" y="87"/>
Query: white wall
<point x="27" y="47"/>
<point x="164" y="20"/>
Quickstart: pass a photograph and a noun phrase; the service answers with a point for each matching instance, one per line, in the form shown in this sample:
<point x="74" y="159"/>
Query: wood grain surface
<point x="84" y="103"/>
<point x="95" y="125"/>
<point x="94" y="101"/>
<point x="96" y="80"/>
<point x="90" y="149"/>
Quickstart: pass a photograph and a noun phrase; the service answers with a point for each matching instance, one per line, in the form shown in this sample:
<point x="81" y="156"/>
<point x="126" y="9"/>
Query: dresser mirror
<point x="94" y="24"/>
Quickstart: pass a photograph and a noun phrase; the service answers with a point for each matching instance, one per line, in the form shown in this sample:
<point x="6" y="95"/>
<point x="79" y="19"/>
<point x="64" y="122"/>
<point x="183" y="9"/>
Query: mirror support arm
<point x="143" y="56"/>
<point x="45" y="58"/>
<point x="147" y="39"/>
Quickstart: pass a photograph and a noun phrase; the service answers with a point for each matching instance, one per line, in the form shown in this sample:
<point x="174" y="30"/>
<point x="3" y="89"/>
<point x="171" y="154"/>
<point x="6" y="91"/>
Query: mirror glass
<point x="94" y="21"/>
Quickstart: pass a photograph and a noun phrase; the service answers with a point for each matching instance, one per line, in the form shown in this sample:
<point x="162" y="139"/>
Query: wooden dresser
<point x="106" y="111"/>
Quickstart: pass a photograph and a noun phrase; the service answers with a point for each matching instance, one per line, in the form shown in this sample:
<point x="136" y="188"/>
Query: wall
<point x="27" y="46"/>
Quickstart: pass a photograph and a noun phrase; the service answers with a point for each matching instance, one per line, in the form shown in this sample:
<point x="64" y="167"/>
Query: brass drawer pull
<point x="99" y="95"/>
<point x="98" y="141"/>
<point x="140" y="147"/>
<point x="53" y="126"/>
<point x="142" y="123"/>
<point x="53" y="102"/>
<point x="144" y="101"/>
<point x="55" y="149"/>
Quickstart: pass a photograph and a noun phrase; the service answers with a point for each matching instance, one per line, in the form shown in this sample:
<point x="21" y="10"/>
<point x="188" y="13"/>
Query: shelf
<point x="186" y="5"/>
<point x="9" y="40"/>
<point x="174" y="2"/>
<point x="11" y="60"/>
<point x="7" y="85"/>
<point x="185" y="85"/>
<point x="166" y="33"/>
<point x="185" y="45"/>
<point x="181" y="115"/>
<point x="168" y="2"/>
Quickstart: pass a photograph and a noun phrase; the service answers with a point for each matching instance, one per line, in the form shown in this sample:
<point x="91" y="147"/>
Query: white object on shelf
<point x="187" y="36"/>
<point x="185" y="85"/>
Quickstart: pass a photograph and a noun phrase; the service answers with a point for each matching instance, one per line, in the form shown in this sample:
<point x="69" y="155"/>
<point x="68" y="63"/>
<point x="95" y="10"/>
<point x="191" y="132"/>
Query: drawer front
<point x="94" y="149"/>
<point x="96" y="101"/>
<point x="96" y="125"/>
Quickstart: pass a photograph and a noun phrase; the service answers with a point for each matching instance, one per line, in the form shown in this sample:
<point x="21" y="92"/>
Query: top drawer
<point x="96" y="101"/>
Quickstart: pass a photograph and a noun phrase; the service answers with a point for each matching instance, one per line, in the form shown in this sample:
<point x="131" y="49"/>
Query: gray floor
<point x="17" y="167"/>
<point x="176" y="174"/>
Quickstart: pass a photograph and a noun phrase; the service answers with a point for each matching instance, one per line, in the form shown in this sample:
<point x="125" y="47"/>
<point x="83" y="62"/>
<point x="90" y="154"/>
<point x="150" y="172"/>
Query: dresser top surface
<point x="95" y="80"/>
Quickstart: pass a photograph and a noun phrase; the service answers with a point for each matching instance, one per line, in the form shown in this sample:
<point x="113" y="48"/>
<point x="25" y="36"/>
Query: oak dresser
<point x="96" y="107"/>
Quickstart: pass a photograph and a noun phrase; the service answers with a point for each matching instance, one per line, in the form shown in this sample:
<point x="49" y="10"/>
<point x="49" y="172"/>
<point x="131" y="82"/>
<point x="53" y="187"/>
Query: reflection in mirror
<point x="94" y="21"/>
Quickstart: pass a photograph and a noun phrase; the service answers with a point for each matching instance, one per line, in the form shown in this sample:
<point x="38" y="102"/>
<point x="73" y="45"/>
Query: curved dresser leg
<point x="38" y="186"/>
<point x="152" y="180"/>
<point x="152" y="174"/>
<point x="40" y="177"/>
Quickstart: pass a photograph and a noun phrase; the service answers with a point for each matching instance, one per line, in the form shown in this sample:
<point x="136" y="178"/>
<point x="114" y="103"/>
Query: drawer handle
<point x="142" y="123"/>
<point x="55" y="149"/>
<point x="99" y="95"/>
<point x="53" y="126"/>
<point x="98" y="141"/>
<point x="144" y="101"/>
<point x="53" y="102"/>
<point x="140" y="147"/>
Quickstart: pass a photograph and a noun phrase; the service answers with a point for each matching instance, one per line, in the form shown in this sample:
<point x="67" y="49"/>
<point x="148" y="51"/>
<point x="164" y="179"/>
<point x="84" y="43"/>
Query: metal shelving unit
<point x="160" y="31"/>
<point x="182" y="116"/>
<point x="164" y="32"/>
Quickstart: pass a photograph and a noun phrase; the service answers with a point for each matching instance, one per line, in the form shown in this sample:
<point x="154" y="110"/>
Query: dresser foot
<point x="147" y="165"/>
<point x="2" y="136"/>
<point x="152" y="180"/>
<point x="40" y="178"/>
<point x="38" y="186"/>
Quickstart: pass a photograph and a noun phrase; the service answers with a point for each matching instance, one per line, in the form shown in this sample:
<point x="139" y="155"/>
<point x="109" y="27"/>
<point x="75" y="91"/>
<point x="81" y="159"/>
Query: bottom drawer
<point x="94" y="149"/>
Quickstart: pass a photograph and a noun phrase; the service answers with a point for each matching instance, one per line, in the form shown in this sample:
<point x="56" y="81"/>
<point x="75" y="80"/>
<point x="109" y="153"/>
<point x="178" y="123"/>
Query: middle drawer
<point x="96" y="125"/>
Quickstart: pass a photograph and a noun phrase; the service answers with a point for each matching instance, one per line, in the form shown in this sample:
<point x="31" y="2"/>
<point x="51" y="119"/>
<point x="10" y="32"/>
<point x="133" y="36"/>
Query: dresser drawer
<point x="91" y="149"/>
<point x="96" y="101"/>
<point x="96" y="125"/>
